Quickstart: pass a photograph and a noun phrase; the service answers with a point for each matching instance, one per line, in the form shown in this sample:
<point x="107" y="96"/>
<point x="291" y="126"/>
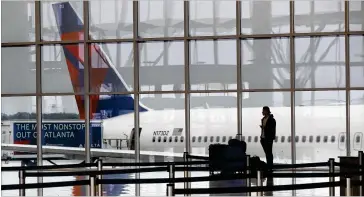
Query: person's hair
<point x="266" y="108"/>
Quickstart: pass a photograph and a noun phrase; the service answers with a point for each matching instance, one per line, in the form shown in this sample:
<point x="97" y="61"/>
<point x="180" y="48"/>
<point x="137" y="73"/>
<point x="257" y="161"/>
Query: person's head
<point x="266" y="111"/>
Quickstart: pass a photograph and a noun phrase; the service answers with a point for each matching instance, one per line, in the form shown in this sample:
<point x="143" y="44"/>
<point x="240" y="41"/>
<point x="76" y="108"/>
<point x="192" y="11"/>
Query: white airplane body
<point x="320" y="130"/>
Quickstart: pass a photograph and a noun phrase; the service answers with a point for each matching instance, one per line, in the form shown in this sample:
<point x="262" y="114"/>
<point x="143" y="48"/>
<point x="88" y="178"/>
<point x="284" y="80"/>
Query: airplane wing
<point x="73" y="153"/>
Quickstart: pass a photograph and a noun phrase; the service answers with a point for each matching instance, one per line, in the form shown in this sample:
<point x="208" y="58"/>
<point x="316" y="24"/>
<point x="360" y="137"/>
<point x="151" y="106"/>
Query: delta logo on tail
<point x="102" y="72"/>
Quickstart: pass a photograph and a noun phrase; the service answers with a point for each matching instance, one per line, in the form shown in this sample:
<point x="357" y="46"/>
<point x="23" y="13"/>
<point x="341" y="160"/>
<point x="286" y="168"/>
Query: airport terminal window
<point x="182" y="138"/>
<point x="170" y="139"/>
<point x="282" y="139"/>
<point x="297" y="138"/>
<point x="325" y="139"/>
<point x="165" y="139"/>
<point x="249" y="138"/>
<point x="256" y="139"/>
<point x="224" y="139"/>
<point x="304" y="139"/>
<point x="218" y="139"/>
<point x="205" y="139"/>
<point x="176" y="139"/>
<point x="159" y="139"/>
<point x="342" y="139"/>
<point x="199" y="139"/>
<point x="193" y="139"/>
<point x="333" y="139"/>
<point x="212" y="139"/>
<point x="311" y="139"/>
<point x="153" y="138"/>
<point x="318" y="138"/>
<point x="289" y="139"/>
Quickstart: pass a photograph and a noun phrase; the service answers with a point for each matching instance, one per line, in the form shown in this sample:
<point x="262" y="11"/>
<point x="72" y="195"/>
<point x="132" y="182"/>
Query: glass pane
<point x="213" y="113"/>
<point x="18" y="70"/>
<point x="110" y="19"/>
<point x="111" y="67"/>
<point x="356" y="19"/>
<point x="23" y="13"/>
<point x="161" y="18"/>
<point x="265" y="63"/>
<point x="264" y="17"/>
<point x="319" y="16"/>
<point x="161" y="66"/>
<point x="212" y="17"/>
<point x="356" y="44"/>
<point x="62" y="20"/>
<point x="356" y="122"/>
<point x="62" y="68"/>
<point x="213" y="65"/>
<point x="320" y="62"/>
<point x="279" y="104"/>
<point x="323" y="113"/>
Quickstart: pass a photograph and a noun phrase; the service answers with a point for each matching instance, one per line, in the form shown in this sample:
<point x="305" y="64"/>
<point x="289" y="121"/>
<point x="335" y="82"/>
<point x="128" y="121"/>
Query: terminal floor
<point x="148" y="189"/>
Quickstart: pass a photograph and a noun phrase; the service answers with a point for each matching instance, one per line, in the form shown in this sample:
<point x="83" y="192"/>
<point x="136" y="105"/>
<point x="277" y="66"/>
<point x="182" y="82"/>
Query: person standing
<point x="268" y="134"/>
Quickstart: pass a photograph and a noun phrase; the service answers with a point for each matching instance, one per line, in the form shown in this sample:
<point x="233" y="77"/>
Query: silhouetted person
<point x="268" y="134"/>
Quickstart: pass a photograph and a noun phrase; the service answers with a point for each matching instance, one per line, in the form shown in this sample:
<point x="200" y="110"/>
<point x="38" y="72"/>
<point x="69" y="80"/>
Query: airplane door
<point x="132" y="138"/>
<point x="342" y="141"/>
<point x="357" y="141"/>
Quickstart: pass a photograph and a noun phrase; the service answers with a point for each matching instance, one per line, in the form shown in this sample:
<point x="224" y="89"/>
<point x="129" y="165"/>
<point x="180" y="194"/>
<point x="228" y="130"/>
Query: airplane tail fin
<point x="103" y="74"/>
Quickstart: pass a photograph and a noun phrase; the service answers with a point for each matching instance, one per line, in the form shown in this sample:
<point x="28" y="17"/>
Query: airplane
<point x="320" y="130"/>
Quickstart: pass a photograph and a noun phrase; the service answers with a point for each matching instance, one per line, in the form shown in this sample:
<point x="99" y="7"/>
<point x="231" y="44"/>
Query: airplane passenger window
<point x="199" y="139"/>
<point x="357" y="139"/>
<point x="212" y="139"/>
<point x="282" y="139"/>
<point x="218" y="139"/>
<point x="170" y="139"/>
<point x="205" y="139"/>
<point x="182" y="138"/>
<point x="159" y="138"/>
<point x="276" y="139"/>
<point x="311" y="138"/>
<point x="289" y="139"/>
<point x="256" y="139"/>
<point x="230" y="137"/>
<point x="193" y="139"/>
<point x="224" y="139"/>
<point x="165" y="139"/>
<point x="325" y="139"/>
<point x="153" y="138"/>
<point x="297" y="138"/>
<point x="243" y="138"/>
<point x="318" y="138"/>
<point x="332" y="139"/>
<point x="342" y="139"/>
<point x="249" y="138"/>
<point x="176" y="139"/>
<point x="304" y="139"/>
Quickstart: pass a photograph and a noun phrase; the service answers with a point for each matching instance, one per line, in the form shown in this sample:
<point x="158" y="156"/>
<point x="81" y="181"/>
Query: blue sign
<point x="68" y="134"/>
